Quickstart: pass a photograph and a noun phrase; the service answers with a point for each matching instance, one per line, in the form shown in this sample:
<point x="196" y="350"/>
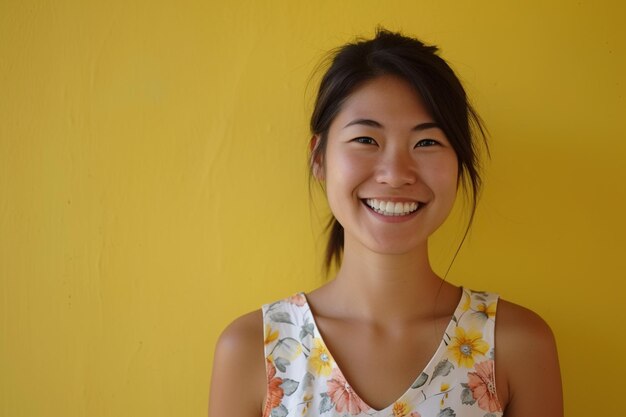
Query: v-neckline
<point x="437" y="355"/>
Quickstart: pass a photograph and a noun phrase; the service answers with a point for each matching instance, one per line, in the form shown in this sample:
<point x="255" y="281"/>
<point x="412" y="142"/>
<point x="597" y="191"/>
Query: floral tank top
<point x="304" y="380"/>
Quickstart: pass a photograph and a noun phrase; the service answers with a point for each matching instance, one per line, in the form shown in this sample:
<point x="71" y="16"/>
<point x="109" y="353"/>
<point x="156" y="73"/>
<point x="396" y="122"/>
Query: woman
<point x="392" y="141"/>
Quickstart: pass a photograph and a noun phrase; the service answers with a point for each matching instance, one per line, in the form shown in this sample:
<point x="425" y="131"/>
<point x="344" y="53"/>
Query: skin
<point x="398" y="306"/>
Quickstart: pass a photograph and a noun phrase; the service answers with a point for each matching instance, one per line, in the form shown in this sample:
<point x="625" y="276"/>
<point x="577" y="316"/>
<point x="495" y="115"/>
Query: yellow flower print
<point x="444" y="388"/>
<point x="401" y="409"/>
<point x="488" y="310"/>
<point x="306" y="401"/>
<point x="270" y="335"/>
<point x="467" y="301"/>
<point x="465" y="346"/>
<point x="320" y="362"/>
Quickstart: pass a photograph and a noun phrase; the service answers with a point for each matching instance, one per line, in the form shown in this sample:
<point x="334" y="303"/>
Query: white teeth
<point x="390" y="208"/>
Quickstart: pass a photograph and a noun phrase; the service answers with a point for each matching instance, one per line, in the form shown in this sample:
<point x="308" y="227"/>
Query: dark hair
<point x="441" y="91"/>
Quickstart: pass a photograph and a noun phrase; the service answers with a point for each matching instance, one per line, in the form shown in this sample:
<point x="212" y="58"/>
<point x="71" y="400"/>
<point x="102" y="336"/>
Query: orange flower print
<point x="415" y="414"/>
<point x="342" y="395"/>
<point x="465" y="346"/>
<point x="483" y="386"/>
<point x="274" y="391"/>
<point x="400" y="409"/>
<point x="297" y="299"/>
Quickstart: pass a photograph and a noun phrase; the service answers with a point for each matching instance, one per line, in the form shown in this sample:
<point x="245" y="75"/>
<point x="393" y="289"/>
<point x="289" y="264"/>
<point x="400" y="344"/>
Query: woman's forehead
<point x="386" y="100"/>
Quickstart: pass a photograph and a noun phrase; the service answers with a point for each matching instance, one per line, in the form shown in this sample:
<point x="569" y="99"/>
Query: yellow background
<point x="153" y="184"/>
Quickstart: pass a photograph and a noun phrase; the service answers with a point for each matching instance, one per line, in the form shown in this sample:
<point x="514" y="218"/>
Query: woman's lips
<point x="387" y="207"/>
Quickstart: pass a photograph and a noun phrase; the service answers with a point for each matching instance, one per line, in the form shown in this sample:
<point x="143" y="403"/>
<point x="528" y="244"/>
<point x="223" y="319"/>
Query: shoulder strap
<point x="477" y="315"/>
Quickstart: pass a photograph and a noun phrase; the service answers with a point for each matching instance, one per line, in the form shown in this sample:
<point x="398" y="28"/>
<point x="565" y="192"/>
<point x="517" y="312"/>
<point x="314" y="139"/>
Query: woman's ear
<point x="316" y="161"/>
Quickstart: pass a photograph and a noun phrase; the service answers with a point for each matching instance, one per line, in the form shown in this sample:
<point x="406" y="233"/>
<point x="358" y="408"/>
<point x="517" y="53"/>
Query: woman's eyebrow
<point x="374" y="123"/>
<point x="365" y="122"/>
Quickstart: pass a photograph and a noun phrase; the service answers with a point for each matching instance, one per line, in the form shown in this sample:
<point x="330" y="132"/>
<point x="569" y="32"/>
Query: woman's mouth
<point x="392" y="208"/>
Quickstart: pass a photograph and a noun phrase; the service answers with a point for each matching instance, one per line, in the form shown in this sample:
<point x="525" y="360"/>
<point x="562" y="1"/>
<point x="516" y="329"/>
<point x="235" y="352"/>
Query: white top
<point x="304" y="380"/>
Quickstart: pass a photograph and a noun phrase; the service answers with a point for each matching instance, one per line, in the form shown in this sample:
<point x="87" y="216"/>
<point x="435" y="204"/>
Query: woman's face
<point x="390" y="172"/>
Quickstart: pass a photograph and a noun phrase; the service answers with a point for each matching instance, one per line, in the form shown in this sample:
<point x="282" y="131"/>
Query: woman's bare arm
<point x="238" y="383"/>
<point x="527" y="364"/>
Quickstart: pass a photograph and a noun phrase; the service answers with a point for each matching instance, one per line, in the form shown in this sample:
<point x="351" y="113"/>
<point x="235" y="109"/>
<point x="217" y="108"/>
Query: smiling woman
<point x="392" y="141"/>
<point x="384" y="146"/>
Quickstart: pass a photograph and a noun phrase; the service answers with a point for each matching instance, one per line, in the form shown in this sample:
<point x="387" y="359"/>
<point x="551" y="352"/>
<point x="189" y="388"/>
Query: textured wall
<point x="153" y="184"/>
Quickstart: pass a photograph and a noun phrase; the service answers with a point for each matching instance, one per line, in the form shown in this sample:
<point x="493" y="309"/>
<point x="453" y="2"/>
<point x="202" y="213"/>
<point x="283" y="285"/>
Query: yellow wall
<point x="153" y="184"/>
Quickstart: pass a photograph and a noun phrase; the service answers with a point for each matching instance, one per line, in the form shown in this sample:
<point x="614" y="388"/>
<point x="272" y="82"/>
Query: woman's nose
<point x="397" y="169"/>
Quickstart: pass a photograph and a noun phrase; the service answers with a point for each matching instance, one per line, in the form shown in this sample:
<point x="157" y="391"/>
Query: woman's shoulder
<point x="247" y="332"/>
<point x="519" y="327"/>
<point x="246" y="329"/>
<point x="239" y="379"/>
<point x="527" y="364"/>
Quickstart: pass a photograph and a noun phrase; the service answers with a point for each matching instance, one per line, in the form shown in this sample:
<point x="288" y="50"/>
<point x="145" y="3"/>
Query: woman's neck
<point x="382" y="286"/>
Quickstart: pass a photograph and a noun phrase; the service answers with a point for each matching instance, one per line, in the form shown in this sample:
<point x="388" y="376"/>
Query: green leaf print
<point x="420" y="381"/>
<point x="308" y="380"/>
<point x="307" y="330"/>
<point x="281" y="317"/>
<point x="281" y="364"/>
<point x="466" y="396"/>
<point x="443" y="368"/>
<point x="446" y="412"/>
<point x="288" y="348"/>
<point x="326" y="405"/>
<point x="289" y="386"/>
<point x="280" y="411"/>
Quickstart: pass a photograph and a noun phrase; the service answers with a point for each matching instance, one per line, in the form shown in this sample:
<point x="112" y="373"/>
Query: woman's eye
<point x="426" y="142"/>
<point x="365" y="140"/>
